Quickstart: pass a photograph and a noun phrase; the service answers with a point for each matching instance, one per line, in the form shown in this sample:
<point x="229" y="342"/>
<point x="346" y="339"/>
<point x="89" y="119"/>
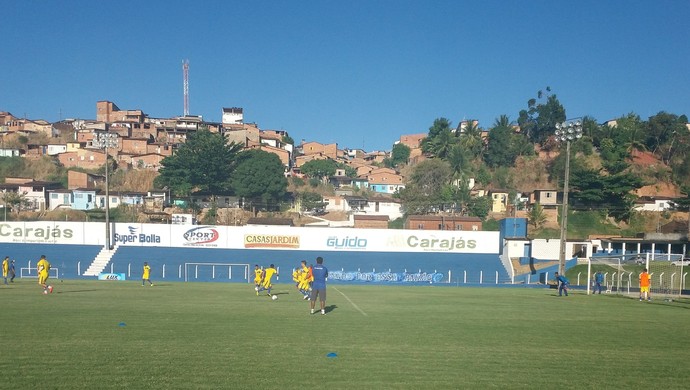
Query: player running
<point x="268" y="276"/>
<point x="258" y="278"/>
<point x="43" y="268"/>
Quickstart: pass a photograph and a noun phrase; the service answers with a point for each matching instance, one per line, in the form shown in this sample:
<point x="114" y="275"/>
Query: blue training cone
<point x="121" y="324"/>
<point x="332" y="355"/>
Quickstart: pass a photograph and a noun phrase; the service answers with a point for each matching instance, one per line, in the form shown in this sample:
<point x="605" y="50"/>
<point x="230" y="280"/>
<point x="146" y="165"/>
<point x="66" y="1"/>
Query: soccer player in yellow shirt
<point x="43" y="268"/>
<point x="146" y="275"/>
<point x="5" y="267"/>
<point x="305" y="280"/>
<point x="268" y="276"/>
<point x="258" y="278"/>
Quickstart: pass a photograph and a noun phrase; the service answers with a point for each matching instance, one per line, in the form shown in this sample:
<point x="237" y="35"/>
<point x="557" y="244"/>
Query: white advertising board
<point x="252" y="237"/>
<point x="46" y="232"/>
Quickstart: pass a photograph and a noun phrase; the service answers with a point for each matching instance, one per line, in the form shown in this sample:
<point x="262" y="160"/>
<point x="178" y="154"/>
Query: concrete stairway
<point x="102" y="259"/>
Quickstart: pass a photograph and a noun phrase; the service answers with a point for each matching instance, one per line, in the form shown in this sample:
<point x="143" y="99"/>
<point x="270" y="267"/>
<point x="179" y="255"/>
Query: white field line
<point x="352" y="303"/>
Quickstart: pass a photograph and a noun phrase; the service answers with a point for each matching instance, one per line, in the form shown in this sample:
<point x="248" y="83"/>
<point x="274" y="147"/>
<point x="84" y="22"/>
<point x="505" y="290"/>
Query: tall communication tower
<point x="185" y="75"/>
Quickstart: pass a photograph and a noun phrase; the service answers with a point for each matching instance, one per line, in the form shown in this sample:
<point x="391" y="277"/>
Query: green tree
<point x="479" y="207"/>
<point x="536" y="216"/>
<point x="258" y="177"/>
<point x="440" y="138"/>
<point x="664" y="130"/>
<point x="15" y="201"/>
<point x="319" y="168"/>
<point x="539" y="119"/>
<point x="424" y="193"/>
<point x="470" y="138"/>
<point x="204" y="163"/>
<point x="399" y="155"/>
<point x="499" y="151"/>
<point x="311" y="200"/>
<point x="613" y="193"/>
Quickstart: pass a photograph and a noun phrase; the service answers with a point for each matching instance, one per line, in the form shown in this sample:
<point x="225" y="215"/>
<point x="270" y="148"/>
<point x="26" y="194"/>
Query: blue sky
<point x="359" y="73"/>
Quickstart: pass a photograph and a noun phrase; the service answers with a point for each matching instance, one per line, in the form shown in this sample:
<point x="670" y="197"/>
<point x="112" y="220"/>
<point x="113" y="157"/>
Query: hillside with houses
<point x="360" y="188"/>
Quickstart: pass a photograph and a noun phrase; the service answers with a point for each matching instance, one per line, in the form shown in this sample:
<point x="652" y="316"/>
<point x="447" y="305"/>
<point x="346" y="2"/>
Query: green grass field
<point x="213" y="335"/>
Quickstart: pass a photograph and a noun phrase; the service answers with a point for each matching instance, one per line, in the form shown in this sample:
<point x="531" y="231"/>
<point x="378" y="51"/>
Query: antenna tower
<point x="185" y="76"/>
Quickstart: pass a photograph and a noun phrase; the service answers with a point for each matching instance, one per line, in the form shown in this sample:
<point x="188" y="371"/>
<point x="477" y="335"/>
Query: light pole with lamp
<point x="104" y="141"/>
<point x="566" y="132"/>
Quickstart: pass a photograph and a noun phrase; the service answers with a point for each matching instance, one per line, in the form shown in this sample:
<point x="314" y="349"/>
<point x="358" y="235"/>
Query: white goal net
<point x="619" y="274"/>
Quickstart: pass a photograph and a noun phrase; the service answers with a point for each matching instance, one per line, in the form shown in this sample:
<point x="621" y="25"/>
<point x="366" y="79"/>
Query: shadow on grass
<point x="75" y="291"/>
<point x="330" y="308"/>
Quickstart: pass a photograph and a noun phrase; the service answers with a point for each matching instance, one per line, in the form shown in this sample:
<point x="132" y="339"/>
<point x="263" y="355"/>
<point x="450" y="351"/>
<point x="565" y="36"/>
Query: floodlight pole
<point x="107" y="198"/>
<point x="564" y="212"/>
<point x="106" y="140"/>
<point x="566" y="131"/>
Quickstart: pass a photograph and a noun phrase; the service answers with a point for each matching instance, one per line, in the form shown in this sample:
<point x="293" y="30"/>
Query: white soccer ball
<point x="256" y="288"/>
<point x="45" y="292"/>
<point x="275" y="297"/>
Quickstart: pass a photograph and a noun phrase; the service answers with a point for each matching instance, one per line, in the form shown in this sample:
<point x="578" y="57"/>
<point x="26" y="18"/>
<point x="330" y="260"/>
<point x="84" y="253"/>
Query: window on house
<point x="420" y="226"/>
<point x="475" y="228"/>
<point x="376" y="206"/>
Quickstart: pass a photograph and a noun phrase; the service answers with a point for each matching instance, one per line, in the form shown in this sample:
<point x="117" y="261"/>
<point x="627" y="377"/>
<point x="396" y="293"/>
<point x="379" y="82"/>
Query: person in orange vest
<point x="645" y="284"/>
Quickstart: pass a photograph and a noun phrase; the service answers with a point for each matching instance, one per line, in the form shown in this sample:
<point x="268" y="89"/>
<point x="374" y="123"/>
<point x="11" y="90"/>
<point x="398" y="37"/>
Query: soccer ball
<point x="256" y="288"/>
<point x="275" y="297"/>
<point x="45" y="292"/>
<point x="50" y="289"/>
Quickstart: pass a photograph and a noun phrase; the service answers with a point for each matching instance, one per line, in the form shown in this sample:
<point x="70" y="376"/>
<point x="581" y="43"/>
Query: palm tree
<point x="471" y="139"/>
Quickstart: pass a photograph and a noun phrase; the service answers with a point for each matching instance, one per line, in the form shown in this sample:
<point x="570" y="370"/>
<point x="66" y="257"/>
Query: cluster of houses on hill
<point x="143" y="142"/>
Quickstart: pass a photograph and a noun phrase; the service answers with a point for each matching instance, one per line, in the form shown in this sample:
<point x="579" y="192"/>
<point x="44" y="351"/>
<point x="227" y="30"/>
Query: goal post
<point x="234" y="272"/>
<point x="621" y="273"/>
<point x="668" y="274"/>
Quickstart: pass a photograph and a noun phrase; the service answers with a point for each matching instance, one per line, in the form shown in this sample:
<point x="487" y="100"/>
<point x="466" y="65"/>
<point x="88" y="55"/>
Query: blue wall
<point x="129" y="260"/>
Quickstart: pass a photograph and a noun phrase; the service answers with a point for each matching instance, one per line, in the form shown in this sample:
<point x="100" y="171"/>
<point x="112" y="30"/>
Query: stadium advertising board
<point x="45" y="232"/>
<point x="205" y="236"/>
<point x="271" y="241"/>
<point x="113" y="276"/>
<point x="252" y="237"/>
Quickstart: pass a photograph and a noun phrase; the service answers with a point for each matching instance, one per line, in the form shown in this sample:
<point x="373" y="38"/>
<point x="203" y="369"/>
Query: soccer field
<point x="90" y="334"/>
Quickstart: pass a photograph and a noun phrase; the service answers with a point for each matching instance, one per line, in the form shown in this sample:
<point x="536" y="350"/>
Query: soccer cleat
<point x="323" y="312"/>
<point x="312" y="311"/>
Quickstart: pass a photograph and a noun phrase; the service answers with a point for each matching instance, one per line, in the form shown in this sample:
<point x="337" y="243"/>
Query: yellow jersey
<point x="43" y="265"/>
<point x="5" y="266"/>
<point x="258" y="273"/>
<point x="147" y="272"/>
<point x="268" y="275"/>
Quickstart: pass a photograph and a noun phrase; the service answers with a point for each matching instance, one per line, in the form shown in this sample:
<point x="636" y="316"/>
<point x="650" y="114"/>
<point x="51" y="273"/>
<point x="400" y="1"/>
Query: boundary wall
<point x="353" y="255"/>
